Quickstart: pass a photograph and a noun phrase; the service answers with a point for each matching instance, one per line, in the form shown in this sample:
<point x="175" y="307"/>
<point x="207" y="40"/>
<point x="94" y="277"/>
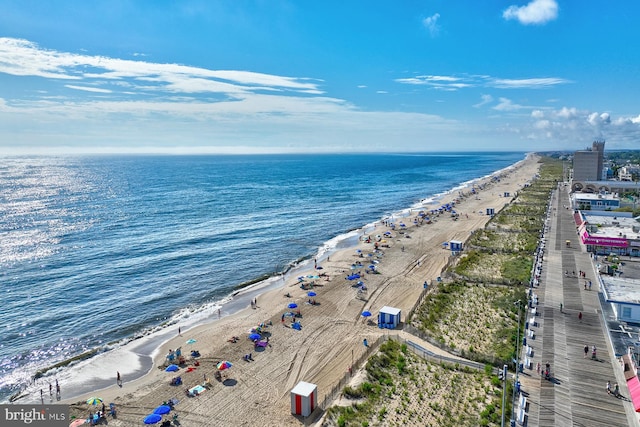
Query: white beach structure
<point x="304" y="398"/>
<point x="389" y="317"/>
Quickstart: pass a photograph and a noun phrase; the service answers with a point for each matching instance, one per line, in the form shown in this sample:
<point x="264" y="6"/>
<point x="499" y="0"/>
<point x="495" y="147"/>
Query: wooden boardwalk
<point x="576" y="394"/>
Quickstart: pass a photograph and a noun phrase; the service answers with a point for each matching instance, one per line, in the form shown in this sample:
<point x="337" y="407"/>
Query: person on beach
<point x="608" y="387"/>
<point x="580" y="316"/>
<point x="118" y="379"/>
<point x="586" y="350"/>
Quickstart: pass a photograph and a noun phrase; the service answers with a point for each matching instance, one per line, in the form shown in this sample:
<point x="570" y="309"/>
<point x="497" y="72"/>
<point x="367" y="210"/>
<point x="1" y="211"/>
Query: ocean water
<point x="98" y="250"/>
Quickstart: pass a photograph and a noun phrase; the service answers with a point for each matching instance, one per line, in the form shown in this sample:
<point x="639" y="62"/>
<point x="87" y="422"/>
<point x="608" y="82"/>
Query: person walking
<point x="586" y="350"/>
<point x="118" y="379"/>
<point x="560" y="307"/>
<point x="580" y="316"/>
<point x="608" y="387"/>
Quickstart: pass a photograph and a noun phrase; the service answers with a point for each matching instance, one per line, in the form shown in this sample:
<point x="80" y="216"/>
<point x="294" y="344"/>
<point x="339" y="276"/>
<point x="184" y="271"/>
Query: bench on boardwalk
<point x="522" y="410"/>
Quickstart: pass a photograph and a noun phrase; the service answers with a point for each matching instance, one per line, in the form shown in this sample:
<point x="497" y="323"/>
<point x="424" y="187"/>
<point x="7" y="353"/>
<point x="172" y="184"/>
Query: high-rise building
<point x="588" y="163"/>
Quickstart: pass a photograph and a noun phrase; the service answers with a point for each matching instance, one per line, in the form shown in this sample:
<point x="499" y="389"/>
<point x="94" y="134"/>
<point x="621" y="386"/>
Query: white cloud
<point x="533" y="83"/>
<point x="431" y="23"/>
<point x="536" y="12"/>
<point x="89" y="89"/>
<point x="581" y="126"/>
<point x="467" y="80"/>
<point x="537" y="114"/>
<point x="486" y="99"/>
<point x="23" y="58"/>
<point x="506" y="104"/>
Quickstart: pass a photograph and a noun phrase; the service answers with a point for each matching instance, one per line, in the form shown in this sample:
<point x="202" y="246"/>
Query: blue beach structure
<point x="455" y="246"/>
<point x="389" y="317"/>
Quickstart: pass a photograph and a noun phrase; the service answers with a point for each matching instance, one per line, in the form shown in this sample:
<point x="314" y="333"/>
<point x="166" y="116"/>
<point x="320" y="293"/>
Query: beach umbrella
<point x="162" y="409"/>
<point x="358" y="251"/>
<point x="191" y="341"/>
<point x="366" y="313"/>
<point x="221" y="366"/>
<point x="311" y="294"/>
<point x="152" y="419"/>
<point x="292" y="305"/>
<point x="172" y="368"/>
<point x="94" y="401"/>
<point x="254" y="337"/>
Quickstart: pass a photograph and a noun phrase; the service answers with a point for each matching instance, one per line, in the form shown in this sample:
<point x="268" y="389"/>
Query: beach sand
<point x="258" y="392"/>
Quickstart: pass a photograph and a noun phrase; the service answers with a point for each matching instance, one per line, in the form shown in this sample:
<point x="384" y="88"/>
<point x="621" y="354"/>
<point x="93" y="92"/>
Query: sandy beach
<point x="257" y="392"/>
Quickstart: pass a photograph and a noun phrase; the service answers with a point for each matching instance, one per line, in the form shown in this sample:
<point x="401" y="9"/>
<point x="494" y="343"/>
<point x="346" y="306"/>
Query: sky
<point x="258" y="76"/>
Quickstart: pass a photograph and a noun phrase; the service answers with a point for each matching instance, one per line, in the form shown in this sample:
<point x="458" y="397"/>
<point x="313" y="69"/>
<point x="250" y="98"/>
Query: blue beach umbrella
<point x="366" y="313"/>
<point x="152" y="419"/>
<point x="191" y="341"/>
<point x="254" y="337"/>
<point x="162" y="409"/>
<point x="311" y="294"/>
<point x="292" y="305"/>
<point x="172" y="368"/>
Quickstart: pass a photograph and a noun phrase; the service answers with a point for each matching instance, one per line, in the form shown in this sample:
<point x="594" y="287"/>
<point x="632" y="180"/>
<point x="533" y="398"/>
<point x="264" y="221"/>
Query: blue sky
<point x="327" y="76"/>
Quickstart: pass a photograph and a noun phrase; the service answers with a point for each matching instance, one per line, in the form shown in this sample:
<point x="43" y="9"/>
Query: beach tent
<point x="389" y="317"/>
<point x="304" y="398"/>
<point x="490" y="211"/>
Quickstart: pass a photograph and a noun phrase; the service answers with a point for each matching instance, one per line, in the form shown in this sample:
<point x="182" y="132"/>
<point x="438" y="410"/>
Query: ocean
<point x="98" y="251"/>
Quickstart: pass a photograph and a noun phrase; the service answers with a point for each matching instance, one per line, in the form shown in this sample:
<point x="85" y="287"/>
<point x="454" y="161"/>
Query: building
<point x="624" y="297"/>
<point x="605" y="233"/>
<point x="629" y="173"/>
<point x="595" y="202"/>
<point x="588" y="164"/>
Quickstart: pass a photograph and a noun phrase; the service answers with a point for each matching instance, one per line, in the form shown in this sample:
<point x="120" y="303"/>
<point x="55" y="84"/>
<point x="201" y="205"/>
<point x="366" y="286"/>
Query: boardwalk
<point x="576" y="394"/>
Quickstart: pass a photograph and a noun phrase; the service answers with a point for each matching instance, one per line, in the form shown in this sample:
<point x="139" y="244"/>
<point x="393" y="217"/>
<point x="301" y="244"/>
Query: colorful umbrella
<point x="191" y="341"/>
<point x="223" y="365"/>
<point x="94" y="401"/>
<point x="292" y="305"/>
<point x="172" y="368"/>
<point x="162" y="409"/>
<point x="152" y="419"/>
<point x="254" y="337"/>
<point x="366" y="313"/>
<point x="311" y="294"/>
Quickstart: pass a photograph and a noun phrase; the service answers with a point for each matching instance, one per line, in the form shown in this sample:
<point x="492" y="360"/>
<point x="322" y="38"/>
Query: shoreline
<point x="236" y="305"/>
<point x="332" y="332"/>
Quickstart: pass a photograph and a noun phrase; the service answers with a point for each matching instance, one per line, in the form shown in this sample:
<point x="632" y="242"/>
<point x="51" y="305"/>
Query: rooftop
<point x="613" y="226"/>
<point x="625" y="290"/>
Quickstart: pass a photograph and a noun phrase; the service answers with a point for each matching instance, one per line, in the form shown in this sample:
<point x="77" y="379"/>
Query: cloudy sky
<point x="318" y="76"/>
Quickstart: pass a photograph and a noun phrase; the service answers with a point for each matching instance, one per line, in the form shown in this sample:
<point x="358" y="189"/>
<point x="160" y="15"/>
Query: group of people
<point x="586" y="351"/>
<point x="58" y="395"/>
<point x="615" y="391"/>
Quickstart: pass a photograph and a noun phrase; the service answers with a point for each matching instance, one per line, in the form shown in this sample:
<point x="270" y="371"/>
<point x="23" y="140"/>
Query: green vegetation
<point x="424" y="393"/>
